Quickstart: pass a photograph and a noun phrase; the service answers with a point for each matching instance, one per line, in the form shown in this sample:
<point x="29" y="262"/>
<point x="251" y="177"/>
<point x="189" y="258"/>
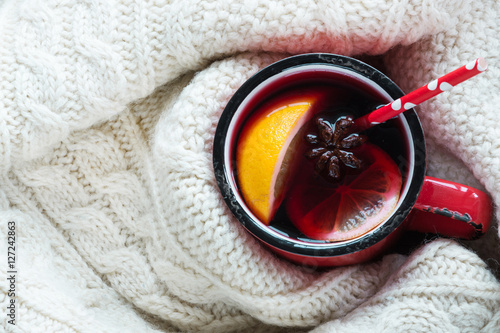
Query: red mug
<point x="426" y="204"/>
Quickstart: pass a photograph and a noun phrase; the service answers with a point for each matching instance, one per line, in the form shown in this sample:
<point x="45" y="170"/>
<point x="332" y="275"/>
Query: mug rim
<point x="320" y="249"/>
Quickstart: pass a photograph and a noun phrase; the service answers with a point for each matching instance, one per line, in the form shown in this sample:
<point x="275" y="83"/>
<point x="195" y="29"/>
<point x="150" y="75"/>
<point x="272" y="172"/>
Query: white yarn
<point x="107" y="116"/>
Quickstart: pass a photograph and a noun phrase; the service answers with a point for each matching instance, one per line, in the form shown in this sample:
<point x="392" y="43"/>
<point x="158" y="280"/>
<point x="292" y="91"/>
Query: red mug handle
<point x="451" y="209"/>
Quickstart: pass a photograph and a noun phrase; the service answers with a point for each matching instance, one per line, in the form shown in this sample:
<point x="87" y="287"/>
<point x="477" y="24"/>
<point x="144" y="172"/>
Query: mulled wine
<point x="300" y="168"/>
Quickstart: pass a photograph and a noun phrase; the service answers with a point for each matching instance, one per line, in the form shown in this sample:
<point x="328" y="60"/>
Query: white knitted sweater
<point x="107" y="115"/>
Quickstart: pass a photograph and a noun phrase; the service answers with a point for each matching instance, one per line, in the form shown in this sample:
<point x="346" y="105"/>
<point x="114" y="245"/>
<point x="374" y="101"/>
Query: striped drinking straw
<point x="433" y="88"/>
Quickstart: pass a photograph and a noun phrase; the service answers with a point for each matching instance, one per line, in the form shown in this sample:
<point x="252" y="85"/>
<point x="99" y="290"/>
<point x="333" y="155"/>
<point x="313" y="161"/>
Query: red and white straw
<point x="422" y="94"/>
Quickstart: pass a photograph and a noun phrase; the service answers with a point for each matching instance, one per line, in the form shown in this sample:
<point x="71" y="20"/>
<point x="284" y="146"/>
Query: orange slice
<point x="266" y="147"/>
<point x="353" y="208"/>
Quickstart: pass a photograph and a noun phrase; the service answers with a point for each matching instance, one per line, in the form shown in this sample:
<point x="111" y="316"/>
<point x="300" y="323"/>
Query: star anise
<point x="331" y="146"/>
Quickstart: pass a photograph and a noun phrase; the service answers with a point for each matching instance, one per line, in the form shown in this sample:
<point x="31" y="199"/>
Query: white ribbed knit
<point x="107" y="116"/>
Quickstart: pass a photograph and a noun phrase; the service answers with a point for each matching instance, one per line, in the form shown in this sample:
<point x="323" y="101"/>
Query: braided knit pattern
<point x="108" y="110"/>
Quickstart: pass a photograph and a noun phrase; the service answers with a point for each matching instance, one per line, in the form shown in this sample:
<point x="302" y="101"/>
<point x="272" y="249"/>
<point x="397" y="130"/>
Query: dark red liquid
<point x="347" y="96"/>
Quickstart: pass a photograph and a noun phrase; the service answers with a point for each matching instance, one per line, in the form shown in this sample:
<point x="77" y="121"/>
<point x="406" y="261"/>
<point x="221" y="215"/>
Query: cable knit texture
<point x="107" y="115"/>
